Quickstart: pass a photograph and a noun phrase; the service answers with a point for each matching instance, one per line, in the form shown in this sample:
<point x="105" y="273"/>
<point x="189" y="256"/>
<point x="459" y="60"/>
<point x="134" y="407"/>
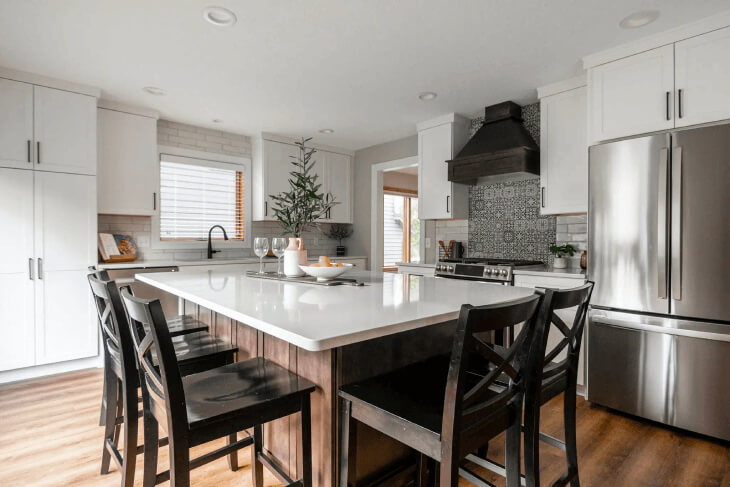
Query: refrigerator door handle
<point x="661" y="254"/>
<point x="676" y="223"/>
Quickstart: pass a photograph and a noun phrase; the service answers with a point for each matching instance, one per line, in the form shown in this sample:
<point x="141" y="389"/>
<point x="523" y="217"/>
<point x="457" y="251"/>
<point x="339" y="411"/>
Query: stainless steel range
<point x="483" y="269"/>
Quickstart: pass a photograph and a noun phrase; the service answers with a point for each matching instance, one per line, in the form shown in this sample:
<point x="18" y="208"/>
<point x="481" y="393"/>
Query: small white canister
<point x="294" y="256"/>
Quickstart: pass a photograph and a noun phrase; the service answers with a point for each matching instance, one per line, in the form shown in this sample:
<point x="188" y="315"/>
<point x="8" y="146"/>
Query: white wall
<point x="359" y="243"/>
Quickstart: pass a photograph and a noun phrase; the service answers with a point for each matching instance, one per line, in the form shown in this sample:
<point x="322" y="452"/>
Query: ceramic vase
<point x="560" y="262"/>
<point x="294" y="256"/>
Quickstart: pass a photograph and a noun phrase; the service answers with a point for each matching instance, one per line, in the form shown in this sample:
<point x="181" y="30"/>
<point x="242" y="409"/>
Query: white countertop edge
<point x="411" y="264"/>
<point x="570" y="272"/>
<point x="148" y="264"/>
<point x="298" y="340"/>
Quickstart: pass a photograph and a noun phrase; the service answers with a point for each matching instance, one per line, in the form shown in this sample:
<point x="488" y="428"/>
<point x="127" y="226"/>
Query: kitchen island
<point x="331" y="335"/>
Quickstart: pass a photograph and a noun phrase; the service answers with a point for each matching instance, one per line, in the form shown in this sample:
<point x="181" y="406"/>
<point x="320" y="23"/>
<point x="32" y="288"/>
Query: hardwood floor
<point x="49" y="437"/>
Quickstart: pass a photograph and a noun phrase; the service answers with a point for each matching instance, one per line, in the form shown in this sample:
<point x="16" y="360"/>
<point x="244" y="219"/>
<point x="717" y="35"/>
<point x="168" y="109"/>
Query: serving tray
<point x="273" y="276"/>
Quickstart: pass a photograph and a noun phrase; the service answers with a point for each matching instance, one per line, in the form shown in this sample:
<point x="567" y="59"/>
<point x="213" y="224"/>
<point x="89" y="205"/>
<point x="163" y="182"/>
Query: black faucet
<point x="210" y="244"/>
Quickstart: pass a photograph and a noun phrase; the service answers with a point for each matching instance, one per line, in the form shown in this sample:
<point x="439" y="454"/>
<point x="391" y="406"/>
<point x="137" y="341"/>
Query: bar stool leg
<point x="512" y="453"/>
<point x="306" y="441"/>
<point x="571" y="446"/>
<point x="179" y="461"/>
<point x="233" y="456"/>
<point x="110" y="395"/>
<point x="532" y="446"/>
<point x="151" y="444"/>
<point x="131" y="422"/>
<point x="257" y="469"/>
<point x="348" y="446"/>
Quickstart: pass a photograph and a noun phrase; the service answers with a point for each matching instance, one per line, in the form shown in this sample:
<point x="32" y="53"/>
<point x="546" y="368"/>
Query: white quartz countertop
<point x="574" y="272"/>
<point x="148" y="264"/>
<point x="412" y="264"/>
<point x="323" y="317"/>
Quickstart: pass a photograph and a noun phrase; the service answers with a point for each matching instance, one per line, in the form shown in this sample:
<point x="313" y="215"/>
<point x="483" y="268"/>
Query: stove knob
<point x="504" y="272"/>
<point x="438" y="267"/>
<point x="450" y="268"/>
<point x="488" y="271"/>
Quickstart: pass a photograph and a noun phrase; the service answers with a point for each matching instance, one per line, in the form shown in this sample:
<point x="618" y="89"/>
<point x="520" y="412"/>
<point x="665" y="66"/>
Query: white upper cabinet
<point x="65" y="131"/>
<point x="127" y="163"/>
<point x="272" y="165"/>
<point x="702" y="78"/>
<point x="633" y="95"/>
<point x="564" y="152"/>
<point x="16" y="124"/>
<point x="440" y="140"/>
<point x="338" y="180"/>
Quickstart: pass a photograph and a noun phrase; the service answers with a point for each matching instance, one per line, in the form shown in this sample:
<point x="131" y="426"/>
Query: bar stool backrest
<point x="164" y="386"/>
<point x="467" y="409"/>
<point x="551" y="373"/>
<point x="116" y="338"/>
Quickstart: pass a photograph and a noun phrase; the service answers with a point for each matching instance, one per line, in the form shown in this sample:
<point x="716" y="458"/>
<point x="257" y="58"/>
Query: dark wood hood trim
<point x="467" y="170"/>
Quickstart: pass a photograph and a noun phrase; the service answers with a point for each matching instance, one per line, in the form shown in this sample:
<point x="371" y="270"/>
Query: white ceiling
<point x="293" y="67"/>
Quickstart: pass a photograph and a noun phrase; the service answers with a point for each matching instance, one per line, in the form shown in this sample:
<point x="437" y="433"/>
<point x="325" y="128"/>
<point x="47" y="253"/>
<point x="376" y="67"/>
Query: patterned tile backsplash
<point x="505" y="221"/>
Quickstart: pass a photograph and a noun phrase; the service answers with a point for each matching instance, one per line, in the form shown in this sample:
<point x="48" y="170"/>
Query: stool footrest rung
<point x="492" y="466"/>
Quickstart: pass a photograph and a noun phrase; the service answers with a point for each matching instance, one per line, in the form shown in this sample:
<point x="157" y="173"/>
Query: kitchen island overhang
<point x="331" y="335"/>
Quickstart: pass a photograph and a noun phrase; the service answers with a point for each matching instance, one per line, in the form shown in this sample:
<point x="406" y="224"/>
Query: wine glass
<point x="278" y="245"/>
<point x="261" y="247"/>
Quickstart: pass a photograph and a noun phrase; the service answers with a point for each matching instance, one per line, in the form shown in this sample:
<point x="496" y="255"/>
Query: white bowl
<point x="325" y="273"/>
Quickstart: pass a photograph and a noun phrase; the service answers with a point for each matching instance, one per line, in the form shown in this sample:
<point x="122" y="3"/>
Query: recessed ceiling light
<point x="639" y="19"/>
<point x="326" y="131"/>
<point x="154" y="90"/>
<point x="217" y="120"/>
<point x="427" y="96"/>
<point x="219" y="16"/>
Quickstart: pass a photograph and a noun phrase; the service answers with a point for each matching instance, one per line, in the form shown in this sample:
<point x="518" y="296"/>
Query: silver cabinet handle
<point x="542" y="196"/>
<point x="30" y="269"/>
<point x="668" y="93"/>
<point x="266" y="208"/>
<point x="679" y="103"/>
<point x="447" y="203"/>
<point x="38" y="152"/>
<point x="40" y="268"/>
<point x="677" y="223"/>
<point x="661" y="228"/>
<point x="29" y="142"/>
<point x="154" y="201"/>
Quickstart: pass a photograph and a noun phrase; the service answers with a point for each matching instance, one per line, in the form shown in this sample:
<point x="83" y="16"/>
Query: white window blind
<point x="196" y="196"/>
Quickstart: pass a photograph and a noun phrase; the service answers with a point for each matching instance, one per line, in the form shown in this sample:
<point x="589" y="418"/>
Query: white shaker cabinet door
<point x="127" y="163"/>
<point x="278" y="159"/>
<point x="65" y="131"/>
<point x="564" y="153"/>
<point x="702" y="78"/>
<point x="435" y="147"/>
<point x="633" y="95"/>
<point x="17" y="347"/>
<point x="338" y="176"/>
<point x="16" y="124"/>
<point x="65" y="244"/>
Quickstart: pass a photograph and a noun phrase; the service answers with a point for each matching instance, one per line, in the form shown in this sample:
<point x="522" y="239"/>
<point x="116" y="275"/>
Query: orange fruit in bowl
<point x="325" y="261"/>
<point x="340" y="264"/>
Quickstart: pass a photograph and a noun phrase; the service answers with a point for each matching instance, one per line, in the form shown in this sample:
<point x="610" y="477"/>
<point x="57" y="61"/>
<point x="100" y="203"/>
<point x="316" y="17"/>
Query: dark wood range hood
<point x="501" y="150"/>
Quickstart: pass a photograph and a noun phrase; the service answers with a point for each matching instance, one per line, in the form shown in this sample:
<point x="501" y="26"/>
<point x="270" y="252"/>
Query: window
<point x="401" y="229"/>
<point x="196" y="194"/>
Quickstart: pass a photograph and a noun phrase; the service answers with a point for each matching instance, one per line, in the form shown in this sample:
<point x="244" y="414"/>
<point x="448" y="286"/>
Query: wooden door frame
<point x="376" y="206"/>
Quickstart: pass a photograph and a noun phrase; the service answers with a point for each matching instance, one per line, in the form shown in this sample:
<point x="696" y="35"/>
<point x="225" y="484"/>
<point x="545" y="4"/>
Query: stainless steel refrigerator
<point x="659" y="253"/>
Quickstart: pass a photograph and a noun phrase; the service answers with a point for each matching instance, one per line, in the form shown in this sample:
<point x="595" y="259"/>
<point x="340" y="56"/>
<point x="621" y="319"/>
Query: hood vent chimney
<point x="501" y="150"/>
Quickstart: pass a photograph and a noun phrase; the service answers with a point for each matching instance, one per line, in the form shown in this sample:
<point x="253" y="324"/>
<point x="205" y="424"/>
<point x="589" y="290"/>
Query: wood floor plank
<point x="49" y="437"/>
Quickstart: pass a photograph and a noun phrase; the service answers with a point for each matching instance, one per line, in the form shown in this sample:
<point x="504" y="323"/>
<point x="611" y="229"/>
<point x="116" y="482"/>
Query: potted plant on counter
<point x="300" y="207"/>
<point x="560" y="262"/>
<point x="339" y="231"/>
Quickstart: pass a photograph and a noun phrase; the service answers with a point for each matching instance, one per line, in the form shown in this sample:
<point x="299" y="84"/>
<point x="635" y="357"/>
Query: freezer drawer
<point x="670" y="371"/>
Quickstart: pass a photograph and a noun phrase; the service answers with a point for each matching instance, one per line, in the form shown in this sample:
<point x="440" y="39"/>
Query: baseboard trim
<point x="26" y="373"/>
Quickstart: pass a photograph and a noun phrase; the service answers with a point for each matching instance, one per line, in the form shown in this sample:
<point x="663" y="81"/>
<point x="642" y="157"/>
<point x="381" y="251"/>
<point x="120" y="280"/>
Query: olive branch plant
<point x="301" y="206"/>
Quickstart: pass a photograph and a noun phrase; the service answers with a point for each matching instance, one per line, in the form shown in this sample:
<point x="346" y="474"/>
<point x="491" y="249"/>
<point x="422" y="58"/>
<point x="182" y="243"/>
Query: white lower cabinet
<point x="567" y="315"/>
<point x="46" y="312"/>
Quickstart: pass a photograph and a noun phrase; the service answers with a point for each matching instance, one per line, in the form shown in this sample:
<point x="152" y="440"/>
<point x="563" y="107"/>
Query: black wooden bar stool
<point x="438" y="407"/>
<point x="179" y="325"/>
<point x="548" y="377"/>
<point x="203" y="407"/>
<point x="199" y="352"/>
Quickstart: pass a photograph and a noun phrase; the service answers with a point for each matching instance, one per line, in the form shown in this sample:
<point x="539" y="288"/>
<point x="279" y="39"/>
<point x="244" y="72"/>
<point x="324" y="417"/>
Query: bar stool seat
<point x="245" y="394"/>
